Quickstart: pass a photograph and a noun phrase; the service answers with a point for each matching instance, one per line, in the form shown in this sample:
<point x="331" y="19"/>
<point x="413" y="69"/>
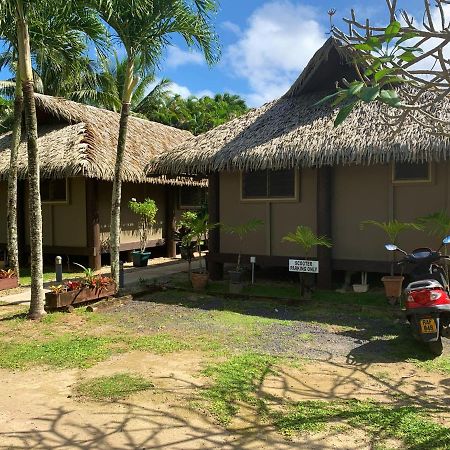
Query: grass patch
<point x="49" y="275"/>
<point x="64" y="352"/>
<point x="406" y="423"/>
<point x="235" y="380"/>
<point x="158" y="343"/>
<point x="113" y="387"/>
<point x="440" y="364"/>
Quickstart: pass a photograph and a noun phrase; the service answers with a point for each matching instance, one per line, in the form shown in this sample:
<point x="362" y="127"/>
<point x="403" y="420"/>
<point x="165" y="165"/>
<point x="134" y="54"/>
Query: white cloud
<point x="177" y="57"/>
<point x="185" y="92"/>
<point x="232" y="27"/>
<point x="280" y="39"/>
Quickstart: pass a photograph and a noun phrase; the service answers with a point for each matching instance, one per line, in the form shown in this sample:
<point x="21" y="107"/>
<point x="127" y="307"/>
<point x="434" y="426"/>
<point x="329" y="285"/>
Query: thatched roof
<point x="293" y="132"/>
<point x="80" y="140"/>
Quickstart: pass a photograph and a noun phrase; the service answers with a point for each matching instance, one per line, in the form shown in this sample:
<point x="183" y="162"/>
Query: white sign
<point x="303" y="265"/>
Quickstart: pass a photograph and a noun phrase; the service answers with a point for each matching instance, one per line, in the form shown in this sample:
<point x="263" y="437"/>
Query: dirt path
<point x="37" y="409"/>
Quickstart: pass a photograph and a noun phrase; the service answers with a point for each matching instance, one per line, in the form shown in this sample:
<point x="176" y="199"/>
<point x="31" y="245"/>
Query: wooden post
<point x="93" y="224"/>
<point x="171" y="204"/>
<point x="215" y="269"/>
<point x="324" y="225"/>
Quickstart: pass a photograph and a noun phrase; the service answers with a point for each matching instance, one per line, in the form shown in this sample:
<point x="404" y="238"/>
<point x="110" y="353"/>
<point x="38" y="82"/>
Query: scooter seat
<point x="423" y="284"/>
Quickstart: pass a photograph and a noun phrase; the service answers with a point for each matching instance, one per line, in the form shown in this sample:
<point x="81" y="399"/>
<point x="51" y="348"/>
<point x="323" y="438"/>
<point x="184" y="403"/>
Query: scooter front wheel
<point x="436" y="347"/>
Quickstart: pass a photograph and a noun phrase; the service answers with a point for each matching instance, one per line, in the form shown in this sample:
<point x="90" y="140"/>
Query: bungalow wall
<point x="65" y="228"/>
<point x="358" y="193"/>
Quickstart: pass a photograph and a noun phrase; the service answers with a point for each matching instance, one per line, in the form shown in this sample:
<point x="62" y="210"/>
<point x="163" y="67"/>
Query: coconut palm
<point x="15" y="16"/>
<point x="307" y="240"/>
<point x="144" y="28"/>
<point x="106" y="86"/>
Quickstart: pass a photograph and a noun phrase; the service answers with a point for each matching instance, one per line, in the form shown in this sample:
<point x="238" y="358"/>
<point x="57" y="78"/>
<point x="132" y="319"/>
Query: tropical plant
<point x="241" y="232"/>
<point x="104" y="88"/>
<point x="196" y="115"/>
<point x="437" y="224"/>
<point x="55" y="30"/>
<point x="7" y="273"/>
<point x="305" y="238"/>
<point x="184" y="235"/>
<point x="144" y="28"/>
<point x="392" y="229"/>
<point x="146" y="211"/>
<point x="405" y="52"/>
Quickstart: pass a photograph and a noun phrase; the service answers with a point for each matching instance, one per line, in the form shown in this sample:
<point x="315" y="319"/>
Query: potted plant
<point x="71" y="292"/>
<point x="198" y="225"/>
<point x="240" y="231"/>
<point x="146" y="211"/>
<point x="184" y="237"/>
<point x="307" y="239"/>
<point x="8" y="279"/>
<point x="392" y="229"/>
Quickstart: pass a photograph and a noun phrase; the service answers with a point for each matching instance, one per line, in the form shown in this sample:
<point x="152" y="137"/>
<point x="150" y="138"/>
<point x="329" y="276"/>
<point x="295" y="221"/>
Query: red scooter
<point x="427" y="295"/>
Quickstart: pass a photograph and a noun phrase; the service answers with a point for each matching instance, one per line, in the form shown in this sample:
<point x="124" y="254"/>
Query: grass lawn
<point x="339" y="364"/>
<point x="49" y="275"/>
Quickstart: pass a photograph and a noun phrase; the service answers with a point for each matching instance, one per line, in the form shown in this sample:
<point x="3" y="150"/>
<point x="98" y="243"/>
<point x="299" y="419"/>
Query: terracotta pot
<point x="393" y="286"/>
<point x="199" y="280"/>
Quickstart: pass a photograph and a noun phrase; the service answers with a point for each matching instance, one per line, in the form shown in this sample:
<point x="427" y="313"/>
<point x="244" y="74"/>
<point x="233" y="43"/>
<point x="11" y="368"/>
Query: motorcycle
<point x="427" y="295"/>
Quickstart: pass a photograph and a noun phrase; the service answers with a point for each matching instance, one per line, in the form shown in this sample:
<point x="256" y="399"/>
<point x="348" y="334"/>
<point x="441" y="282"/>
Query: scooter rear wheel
<point x="436" y="347"/>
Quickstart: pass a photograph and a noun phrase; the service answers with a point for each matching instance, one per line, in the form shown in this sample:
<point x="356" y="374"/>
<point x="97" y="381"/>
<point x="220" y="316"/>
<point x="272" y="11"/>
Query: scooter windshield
<point x="421" y="253"/>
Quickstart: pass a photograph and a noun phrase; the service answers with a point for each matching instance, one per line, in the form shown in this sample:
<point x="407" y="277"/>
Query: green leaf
<point x="392" y="31"/>
<point x="390" y="97"/>
<point x="326" y="99"/>
<point x="374" y="42"/>
<point x="394" y="80"/>
<point x="355" y="87"/>
<point x="343" y="113"/>
<point x="407" y="37"/>
<point x="369" y="94"/>
<point x="382" y="73"/>
<point x="363" y="47"/>
<point x="407" y="57"/>
<point x="411" y="49"/>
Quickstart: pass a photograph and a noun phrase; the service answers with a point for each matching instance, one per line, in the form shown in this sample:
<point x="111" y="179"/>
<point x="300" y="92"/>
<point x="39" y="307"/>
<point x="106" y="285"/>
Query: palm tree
<point x="106" y="86"/>
<point x="144" y="28"/>
<point x="15" y="16"/>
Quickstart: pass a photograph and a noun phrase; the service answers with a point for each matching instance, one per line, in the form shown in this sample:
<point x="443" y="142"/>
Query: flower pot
<point x="393" y="286"/>
<point x="140" y="259"/>
<point x="199" y="280"/>
<point x="236" y="276"/>
<point x="360" y="288"/>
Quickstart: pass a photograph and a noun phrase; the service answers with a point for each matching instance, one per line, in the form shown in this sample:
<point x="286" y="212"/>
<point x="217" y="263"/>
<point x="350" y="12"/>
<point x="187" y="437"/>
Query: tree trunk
<point x="12" y="238"/>
<point x="129" y="84"/>
<point x="35" y="215"/>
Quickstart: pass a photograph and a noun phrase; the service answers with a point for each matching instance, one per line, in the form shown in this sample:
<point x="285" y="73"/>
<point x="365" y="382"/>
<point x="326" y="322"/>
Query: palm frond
<point x="307" y="239"/>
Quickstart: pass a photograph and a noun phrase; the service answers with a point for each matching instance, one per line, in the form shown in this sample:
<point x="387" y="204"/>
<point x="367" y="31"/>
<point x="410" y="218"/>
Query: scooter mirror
<point x="446" y="240"/>
<point x="391" y="247"/>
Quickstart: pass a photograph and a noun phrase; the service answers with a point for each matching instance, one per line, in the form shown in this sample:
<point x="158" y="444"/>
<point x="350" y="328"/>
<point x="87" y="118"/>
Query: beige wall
<point x="279" y="218"/>
<point x="359" y="193"/>
<point x="129" y="222"/>
<point x="63" y="224"/>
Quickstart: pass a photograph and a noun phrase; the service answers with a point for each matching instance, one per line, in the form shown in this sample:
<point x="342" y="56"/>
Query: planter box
<point x="8" y="283"/>
<point x="53" y="301"/>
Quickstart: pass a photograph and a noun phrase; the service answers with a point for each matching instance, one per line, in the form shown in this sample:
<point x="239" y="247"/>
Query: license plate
<point x="428" y="326"/>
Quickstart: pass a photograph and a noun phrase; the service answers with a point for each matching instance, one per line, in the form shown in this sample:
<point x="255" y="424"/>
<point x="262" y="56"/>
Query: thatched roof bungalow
<point x="77" y="145"/>
<point x="286" y="164"/>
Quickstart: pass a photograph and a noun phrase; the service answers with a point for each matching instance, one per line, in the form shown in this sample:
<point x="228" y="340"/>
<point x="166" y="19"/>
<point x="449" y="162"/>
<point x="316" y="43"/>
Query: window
<point x="54" y="191"/>
<point x="192" y="197"/>
<point x="269" y="184"/>
<point x="412" y="172"/>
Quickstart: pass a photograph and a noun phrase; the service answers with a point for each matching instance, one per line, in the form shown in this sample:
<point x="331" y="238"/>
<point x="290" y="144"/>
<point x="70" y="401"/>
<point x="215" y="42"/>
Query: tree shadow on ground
<point x="173" y="425"/>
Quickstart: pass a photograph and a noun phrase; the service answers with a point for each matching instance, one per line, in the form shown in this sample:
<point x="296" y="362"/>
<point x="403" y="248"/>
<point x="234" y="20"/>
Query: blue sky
<point x="265" y="45"/>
